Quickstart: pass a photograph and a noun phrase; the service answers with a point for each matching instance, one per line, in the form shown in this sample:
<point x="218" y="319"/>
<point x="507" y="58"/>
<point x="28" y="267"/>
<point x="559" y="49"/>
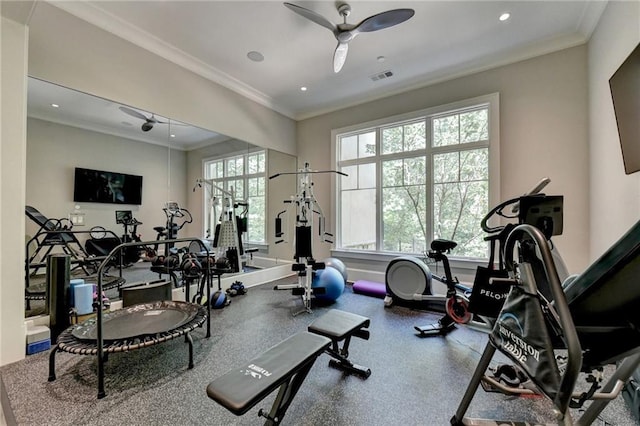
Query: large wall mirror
<point x="70" y="133"/>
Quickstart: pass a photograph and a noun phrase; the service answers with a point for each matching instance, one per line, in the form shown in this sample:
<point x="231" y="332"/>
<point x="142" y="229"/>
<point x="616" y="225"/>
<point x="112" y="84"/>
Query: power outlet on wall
<point x="77" y="219"/>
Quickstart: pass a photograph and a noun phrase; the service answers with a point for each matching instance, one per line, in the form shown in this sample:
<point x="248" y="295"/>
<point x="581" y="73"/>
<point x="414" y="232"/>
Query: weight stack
<point x="58" y="272"/>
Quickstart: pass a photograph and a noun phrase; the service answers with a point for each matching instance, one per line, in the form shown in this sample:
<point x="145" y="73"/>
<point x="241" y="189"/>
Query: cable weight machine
<point x="224" y="230"/>
<point x="306" y="206"/>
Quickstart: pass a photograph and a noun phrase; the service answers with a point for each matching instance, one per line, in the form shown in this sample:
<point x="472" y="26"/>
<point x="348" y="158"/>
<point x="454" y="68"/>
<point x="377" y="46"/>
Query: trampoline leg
<point x="52" y="363"/>
<point x="189" y="340"/>
<point x="485" y="360"/>
<point x="101" y="361"/>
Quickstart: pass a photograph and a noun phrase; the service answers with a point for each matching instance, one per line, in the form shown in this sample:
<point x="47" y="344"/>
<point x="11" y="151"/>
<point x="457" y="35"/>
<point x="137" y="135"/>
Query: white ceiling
<point x="443" y="40"/>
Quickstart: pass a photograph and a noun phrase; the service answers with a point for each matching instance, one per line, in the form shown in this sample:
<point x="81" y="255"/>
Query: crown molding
<point x="120" y="28"/>
<point x="591" y="14"/>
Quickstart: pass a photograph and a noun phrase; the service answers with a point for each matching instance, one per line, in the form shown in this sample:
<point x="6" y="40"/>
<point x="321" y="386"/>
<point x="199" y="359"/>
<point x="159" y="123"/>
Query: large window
<point x="245" y="176"/>
<point x="418" y="178"/>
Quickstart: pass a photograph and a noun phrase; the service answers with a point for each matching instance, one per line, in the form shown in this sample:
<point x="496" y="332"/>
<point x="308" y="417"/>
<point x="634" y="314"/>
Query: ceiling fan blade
<point x="339" y="56"/>
<point x="384" y="20"/>
<point x="313" y="16"/>
<point x="133" y="113"/>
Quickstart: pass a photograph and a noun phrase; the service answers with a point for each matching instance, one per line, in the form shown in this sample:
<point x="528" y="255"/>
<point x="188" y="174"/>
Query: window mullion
<point x="379" y="215"/>
<point x="429" y="178"/>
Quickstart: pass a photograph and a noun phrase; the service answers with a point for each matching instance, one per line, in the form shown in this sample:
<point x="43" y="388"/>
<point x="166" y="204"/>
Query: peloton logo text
<point x="493" y="295"/>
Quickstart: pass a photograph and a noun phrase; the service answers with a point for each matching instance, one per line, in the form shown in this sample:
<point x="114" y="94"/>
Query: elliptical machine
<point x="174" y="215"/>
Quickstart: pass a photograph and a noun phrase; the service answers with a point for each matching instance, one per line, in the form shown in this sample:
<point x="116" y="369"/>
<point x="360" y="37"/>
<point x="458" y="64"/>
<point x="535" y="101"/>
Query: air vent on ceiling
<point x="382" y="75"/>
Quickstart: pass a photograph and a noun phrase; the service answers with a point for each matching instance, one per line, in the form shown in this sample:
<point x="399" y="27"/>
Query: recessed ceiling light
<point x="380" y="59"/>
<point x="173" y="136"/>
<point x="55" y="105"/>
<point x="505" y="16"/>
<point x="303" y="88"/>
<point x="255" y="56"/>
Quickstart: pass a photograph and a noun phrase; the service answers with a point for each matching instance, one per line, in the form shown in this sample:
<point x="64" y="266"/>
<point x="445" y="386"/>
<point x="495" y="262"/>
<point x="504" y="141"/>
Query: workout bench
<point x="287" y="364"/>
<point x="338" y="326"/>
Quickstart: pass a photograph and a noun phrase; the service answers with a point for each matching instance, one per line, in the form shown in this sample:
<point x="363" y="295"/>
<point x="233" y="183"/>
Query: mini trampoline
<point x="134" y="327"/>
<point x="37" y="285"/>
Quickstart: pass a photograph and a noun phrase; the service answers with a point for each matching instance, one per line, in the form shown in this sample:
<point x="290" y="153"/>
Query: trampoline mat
<point x="37" y="284"/>
<point x="138" y="320"/>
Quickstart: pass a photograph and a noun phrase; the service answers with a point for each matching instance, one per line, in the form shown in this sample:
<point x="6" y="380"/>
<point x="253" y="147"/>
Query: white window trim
<point x="244" y="152"/>
<point x="493" y="102"/>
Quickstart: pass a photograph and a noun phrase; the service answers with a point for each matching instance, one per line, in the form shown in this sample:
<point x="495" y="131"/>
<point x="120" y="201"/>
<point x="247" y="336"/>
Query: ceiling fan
<point x="345" y="32"/>
<point x="149" y="122"/>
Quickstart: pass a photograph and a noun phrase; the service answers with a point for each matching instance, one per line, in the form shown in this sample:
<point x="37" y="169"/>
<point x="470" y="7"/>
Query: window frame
<point x="491" y="101"/>
<point x="245" y="176"/>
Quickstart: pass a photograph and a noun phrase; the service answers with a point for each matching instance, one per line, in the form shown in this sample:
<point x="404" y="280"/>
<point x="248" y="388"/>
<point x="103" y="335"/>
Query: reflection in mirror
<point x="122" y="146"/>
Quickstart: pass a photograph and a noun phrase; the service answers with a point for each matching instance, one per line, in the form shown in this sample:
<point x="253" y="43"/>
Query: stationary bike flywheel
<point x="457" y="308"/>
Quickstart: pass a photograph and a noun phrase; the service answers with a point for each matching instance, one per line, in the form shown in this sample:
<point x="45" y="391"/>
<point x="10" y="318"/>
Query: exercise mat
<point x="138" y="320"/>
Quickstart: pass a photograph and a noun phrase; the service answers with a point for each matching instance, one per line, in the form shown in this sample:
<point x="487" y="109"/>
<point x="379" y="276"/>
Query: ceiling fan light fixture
<point x="346" y="32"/>
<point x="147" y="126"/>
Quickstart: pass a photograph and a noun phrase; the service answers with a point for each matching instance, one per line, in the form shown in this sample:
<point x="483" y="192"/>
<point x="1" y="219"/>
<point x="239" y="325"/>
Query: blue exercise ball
<point x="337" y="264"/>
<point x="332" y="281"/>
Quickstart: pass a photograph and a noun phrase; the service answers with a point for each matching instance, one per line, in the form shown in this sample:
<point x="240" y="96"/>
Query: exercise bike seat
<point x="442" y="245"/>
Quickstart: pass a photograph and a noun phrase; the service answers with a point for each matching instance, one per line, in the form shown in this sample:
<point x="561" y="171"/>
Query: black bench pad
<point x="243" y="387"/>
<point x="337" y="324"/>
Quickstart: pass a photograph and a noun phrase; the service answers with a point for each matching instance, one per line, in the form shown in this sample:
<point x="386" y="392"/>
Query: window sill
<point x="376" y="261"/>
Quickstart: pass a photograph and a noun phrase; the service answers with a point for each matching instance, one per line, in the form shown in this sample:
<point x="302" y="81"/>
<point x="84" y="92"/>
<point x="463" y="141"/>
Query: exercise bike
<point x="479" y="308"/>
<point x="474" y="306"/>
<point x="132" y="254"/>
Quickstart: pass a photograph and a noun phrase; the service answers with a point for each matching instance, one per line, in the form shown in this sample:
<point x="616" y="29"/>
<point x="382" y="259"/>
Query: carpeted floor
<point x="414" y="381"/>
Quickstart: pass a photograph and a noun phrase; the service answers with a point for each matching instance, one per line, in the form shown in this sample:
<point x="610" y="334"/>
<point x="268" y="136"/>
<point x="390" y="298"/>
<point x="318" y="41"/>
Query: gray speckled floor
<point x="414" y="381"/>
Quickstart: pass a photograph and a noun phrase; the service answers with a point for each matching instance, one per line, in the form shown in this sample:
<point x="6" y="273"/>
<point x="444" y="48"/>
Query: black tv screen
<point x="625" y="91"/>
<point x="97" y="186"/>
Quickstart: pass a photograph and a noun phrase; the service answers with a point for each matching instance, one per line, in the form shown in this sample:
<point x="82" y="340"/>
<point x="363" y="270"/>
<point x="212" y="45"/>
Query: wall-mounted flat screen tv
<point x="98" y="186"/>
<point x="625" y="91"/>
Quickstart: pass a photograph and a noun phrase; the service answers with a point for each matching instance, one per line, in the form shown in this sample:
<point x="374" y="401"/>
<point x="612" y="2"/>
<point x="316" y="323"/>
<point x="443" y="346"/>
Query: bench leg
<point x="286" y="393"/>
<point x="341" y="361"/>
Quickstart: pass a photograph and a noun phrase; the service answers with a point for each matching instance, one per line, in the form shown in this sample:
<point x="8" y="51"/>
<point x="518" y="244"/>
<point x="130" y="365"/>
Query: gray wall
<point x="54" y="150"/>
<point x="615" y="197"/>
<point x="543" y="132"/>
